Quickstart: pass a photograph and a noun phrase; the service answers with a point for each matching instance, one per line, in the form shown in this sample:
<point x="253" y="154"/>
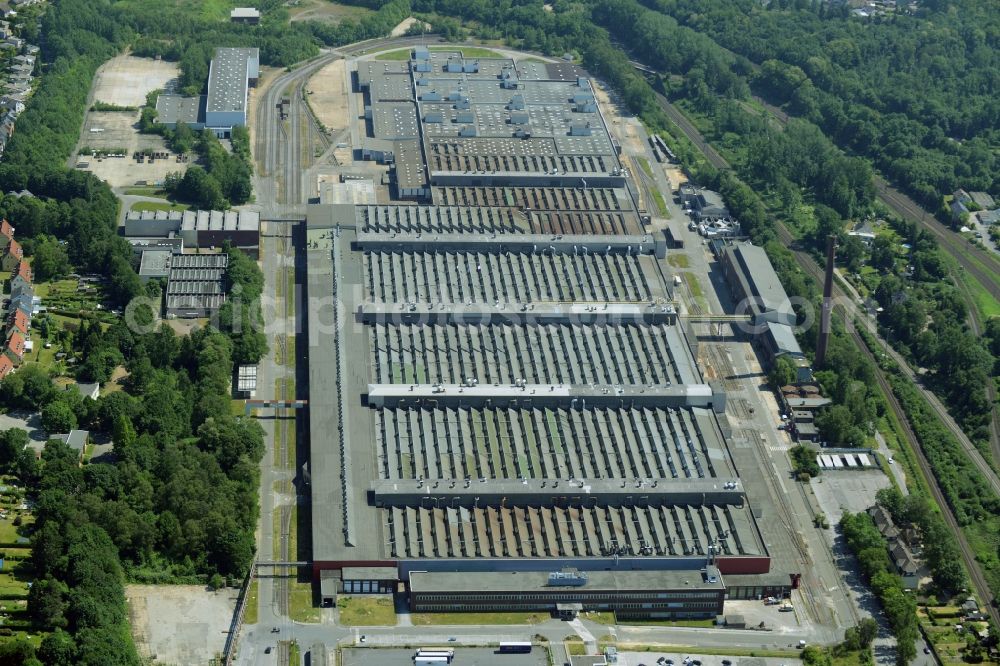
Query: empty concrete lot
<point x="463" y="657"/>
<point x="118" y="131"/>
<point x="180" y="624"/>
<point x="854" y="490"/>
<point x="125" y="80"/>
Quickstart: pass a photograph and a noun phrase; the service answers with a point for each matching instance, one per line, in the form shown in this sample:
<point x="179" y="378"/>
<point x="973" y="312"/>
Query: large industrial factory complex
<point x="505" y="408"/>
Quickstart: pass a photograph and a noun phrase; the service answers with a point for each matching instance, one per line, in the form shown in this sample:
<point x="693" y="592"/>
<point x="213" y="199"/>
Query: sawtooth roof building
<point x="504" y="405"/>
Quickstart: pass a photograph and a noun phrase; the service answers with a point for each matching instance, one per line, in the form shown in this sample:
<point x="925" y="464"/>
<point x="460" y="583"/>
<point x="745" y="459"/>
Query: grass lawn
<point x="644" y="165"/>
<point x="294" y="654"/>
<point x="985" y="303"/>
<point x="477" y="618"/>
<point x="848" y="658"/>
<point x="601" y="617"/>
<point x="576" y="648"/>
<point x="300" y="602"/>
<point x="398" y="54"/>
<point x="660" y="202"/>
<point x="368" y="611"/>
<point x="253" y="594"/>
<point x="694" y="285"/>
<point x="467" y="51"/>
<point x="703" y="624"/>
<point x="145" y="192"/>
<point x="140" y="206"/>
<point x="678" y="260"/>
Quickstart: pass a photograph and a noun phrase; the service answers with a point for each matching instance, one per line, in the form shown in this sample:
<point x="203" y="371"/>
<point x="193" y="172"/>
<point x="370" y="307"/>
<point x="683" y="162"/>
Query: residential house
<point x="905" y="563"/>
<point x="21" y="275"/>
<point x="14" y="349"/>
<point x="899" y="552"/>
<point x="958" y="210"/>
<point x="18" y="290"/>
<point x="989" y="217"/>
<point x="6" y="233"/>
<point x="883" y="521"/>
<point x="92" y="391"/>
<point x="12" y="256"/>
<point x="6" y="367"/>
<point x="961" y="196"/>
<point x="23" y="302"/>
<point x="18" y="321"/>
<point x="76" y="440"/>
<point x="12" y="103"/>
<point x="25" y="60"/>
<point x="864" y="232"/>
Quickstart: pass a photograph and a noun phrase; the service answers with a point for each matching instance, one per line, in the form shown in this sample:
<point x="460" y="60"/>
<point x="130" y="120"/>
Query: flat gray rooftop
<point x="173" y="109"/>
<point x="228" y="79"/>
<point x="619" y="581"/>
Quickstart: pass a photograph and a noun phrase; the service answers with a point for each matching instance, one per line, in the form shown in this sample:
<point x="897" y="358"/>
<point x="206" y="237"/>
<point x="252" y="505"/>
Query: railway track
<point x="979" y="581"/>
<point x="808" y="264"/>
<point x="962" y="252"/>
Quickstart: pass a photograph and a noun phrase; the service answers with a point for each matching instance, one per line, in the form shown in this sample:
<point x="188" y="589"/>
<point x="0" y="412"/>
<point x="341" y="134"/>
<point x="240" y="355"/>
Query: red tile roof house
<point x="6" y="233"/>
<point x="15" y="347"/>
<point x="12" y="256"/>
<point x="6" y="367"/>
<point x="19" y="322"/>
<point x="21" y="276"/>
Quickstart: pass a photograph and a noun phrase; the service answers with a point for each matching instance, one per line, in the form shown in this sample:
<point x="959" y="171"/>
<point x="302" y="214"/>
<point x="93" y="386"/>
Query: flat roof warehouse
<point x="569" y="426"/>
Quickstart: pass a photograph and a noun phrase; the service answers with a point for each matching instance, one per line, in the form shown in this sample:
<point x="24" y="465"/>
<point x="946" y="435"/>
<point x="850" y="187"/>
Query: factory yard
<point x="179" y="624"/>
<point x="124" y="81"/>
<point x="328" y="90"/>
<point x="854" y="490"/>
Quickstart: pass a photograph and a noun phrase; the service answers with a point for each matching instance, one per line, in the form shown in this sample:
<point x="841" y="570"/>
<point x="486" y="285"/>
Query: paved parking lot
<point x="463" y="657"/>
<point x="649" y="659"/>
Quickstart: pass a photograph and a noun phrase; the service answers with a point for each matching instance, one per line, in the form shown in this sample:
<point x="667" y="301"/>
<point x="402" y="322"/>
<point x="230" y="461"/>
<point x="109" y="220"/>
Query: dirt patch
<point x="622" y="124"/>
<point x="401" y="29"/>
<point x="324" y="11"/>
<point x="180" y="624"/>
<point x="328" y="99"/>
<point x="125" y="80"/>
<point x="676" y="176"/>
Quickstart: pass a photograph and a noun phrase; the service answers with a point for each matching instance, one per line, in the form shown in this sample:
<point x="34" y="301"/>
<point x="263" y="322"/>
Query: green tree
<point x="58" y="417"/>
<point x="50" y="260"/>
<point x="48" y="602"/>
<point x="58" y="649"/>
<point x="783" y="373"/>
<point x="12" y="443"/>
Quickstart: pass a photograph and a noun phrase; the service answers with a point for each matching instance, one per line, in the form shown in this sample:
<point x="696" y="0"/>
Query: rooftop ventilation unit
<point x="567" y="579"/>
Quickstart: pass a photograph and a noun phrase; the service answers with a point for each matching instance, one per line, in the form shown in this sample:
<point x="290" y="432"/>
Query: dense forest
<point x="919" y="95"/>
<point x="178" y="503"/>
